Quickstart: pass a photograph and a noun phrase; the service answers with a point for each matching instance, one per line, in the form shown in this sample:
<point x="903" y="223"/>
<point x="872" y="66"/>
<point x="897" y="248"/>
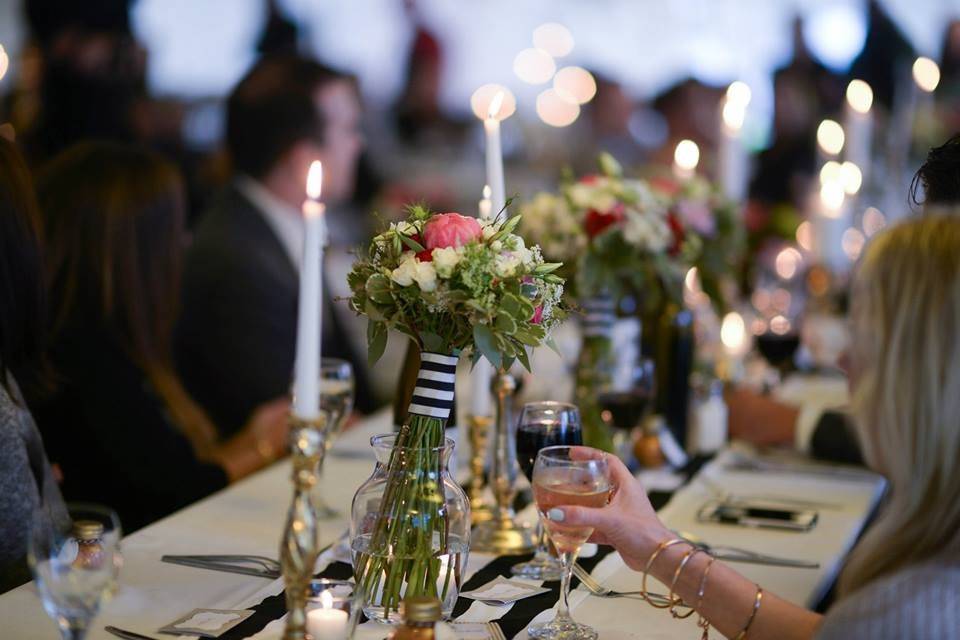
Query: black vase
<point x="667" y="337"/>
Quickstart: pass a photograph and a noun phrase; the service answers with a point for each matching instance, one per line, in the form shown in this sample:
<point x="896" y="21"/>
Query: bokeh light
<point x="873" y="221"/>
<point x="4" y="62"/>
<point x="926" y="74"/>
<point x="687" y="155"/>
<point x="482" y="97"/>
<point x="805" y="236"/>
<point x="852" y="242"/>
<point x="780" y="325"/>
<point x="733" y="115"/>
<point x="733" y="332"/>
<point x="830" y="137"/>
<point x="534" y="66"/>
<point x="788" y="262"/>
<point x="851" y="176"/>
<point x="555" y="110"/>
<point x="831" y="171"/>
<point x="739" y="93"/>
<point x="554" y="38"/>
<point x="859" y="96"/>
<point x="576" y="84"/>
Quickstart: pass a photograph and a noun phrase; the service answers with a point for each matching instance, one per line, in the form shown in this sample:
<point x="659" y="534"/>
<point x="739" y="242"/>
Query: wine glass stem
<point x="73" y="630"/>
<point x="541" y="553"/>
<point x="563" y="607"/>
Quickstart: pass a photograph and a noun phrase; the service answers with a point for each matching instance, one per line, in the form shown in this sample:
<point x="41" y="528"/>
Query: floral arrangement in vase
<point x="452" y="284"/>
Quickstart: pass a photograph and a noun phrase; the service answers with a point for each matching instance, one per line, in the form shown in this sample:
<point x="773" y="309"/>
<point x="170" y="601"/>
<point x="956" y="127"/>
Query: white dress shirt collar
<point x="285" y="221"/>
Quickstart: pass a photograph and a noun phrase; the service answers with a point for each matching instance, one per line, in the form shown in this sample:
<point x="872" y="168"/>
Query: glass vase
<point x="410" y="524"/>
<point x="595" y="367"/>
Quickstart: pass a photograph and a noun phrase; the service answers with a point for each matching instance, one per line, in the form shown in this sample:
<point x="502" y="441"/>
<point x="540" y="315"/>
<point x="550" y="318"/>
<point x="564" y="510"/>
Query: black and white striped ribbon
<point x="433" y="395"/>
<point x="598" y="316"/>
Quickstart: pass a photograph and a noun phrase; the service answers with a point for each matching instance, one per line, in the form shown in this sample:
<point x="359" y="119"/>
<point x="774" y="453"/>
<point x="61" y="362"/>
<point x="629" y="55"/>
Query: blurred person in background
<point x="236" y="339"/>
<point x="813" y="417"/>
<point x="119" y="422"/>
<point x="26" y="478"/>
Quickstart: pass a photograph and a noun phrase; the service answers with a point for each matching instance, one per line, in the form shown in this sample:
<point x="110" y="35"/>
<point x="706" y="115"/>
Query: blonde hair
<point x="906" y="400"/>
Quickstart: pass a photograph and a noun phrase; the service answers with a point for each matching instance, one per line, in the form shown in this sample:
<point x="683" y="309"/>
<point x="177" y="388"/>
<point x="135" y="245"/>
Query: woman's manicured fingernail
<point x="556" y="515"/>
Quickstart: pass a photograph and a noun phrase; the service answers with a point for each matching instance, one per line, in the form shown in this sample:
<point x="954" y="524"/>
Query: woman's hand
<point x="628" y="522"/>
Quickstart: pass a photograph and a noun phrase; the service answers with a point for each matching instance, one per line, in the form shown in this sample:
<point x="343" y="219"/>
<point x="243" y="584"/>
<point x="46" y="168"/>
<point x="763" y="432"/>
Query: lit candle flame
<point x="326" y="600"/>
<point x="486" y="192"/>
<point x="687" y="155"/>
<point x="315" y="180"/>
<point x="495" y="105"/>
<point x="860" y="96"/>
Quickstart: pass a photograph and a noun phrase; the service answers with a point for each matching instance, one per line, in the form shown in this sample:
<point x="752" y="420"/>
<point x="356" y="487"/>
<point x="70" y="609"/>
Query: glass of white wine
<point x="568" y="476"/>
<point x="337" y="390"/>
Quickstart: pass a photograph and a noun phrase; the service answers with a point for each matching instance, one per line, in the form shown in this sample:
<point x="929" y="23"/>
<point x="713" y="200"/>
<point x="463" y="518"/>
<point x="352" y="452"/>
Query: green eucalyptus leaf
<point x="524" y="358"/>
<point x="378" y="289"/>
<point x="547" y="267"/>
<point x="431" y="341"/>
<point x="376" y="340"/>
<point x="486" y="343"/>
<point x="551" y="343"/>
<point x="411" y="243"/>
<point x="505" y="323"/>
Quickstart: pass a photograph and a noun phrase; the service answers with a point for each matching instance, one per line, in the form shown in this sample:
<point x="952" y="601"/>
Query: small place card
<point x="502" y="591"/>
<point x="469" y="631"/>
<point x="208" y="623"/>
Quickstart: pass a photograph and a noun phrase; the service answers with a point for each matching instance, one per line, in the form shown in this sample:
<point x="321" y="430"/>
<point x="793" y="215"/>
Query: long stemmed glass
<point x="565" y="476"/>
<point x="337" y="388"/>
<point x="544" y="424"/>
<point x="626" y="402"/>
<point x="74" y="554"/>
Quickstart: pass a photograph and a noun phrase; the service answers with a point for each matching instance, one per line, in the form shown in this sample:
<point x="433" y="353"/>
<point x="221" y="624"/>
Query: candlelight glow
<point x="860" y="96"/>
<point x="480" y="102"/>
<point x="326" y="599"/>
<point x="779" y="325"/>
<point x="781" y="300"/>
<point x="852" y="243"/>
<point x="555" y="110"/>
<point x="534" y="66"/>
<point x="926" y="74"/>
<point x="851" y="176"/>
<point x="576" y="84"/>
<point x="554" y="38"/>
<point x="733" y="331"/>
<point x="486" y="192"/>
<point x="830" y="137"/>
<point x="495" y="105"/>
<point x="315" y="180"/>
<point x="4" y="62"/>
<point x="832" y="195"/>
<point x="733" y="115"/>
<point x="873" y="221"/>
<point x="805" y="236"/>
<point x="739" y="93"/>
<point x="831" y="172"/>
<point x="687" y="155"/>
<point x="788" y="262"/>
<point x="691" y="280"/>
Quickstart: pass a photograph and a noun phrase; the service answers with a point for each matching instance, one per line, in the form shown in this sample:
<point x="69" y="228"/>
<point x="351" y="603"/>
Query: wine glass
<point x="544" y="424"/>
<point x="74" y="554"/>
<point x="625" y="402"/>
<point x="337" y="389"/>
<point x="568" y="476"/>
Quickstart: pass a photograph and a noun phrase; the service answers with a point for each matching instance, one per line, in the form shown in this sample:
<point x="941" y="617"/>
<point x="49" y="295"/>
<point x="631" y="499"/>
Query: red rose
<point x="426" y="255"/>
<point x="596" y="222"/>
<point x="678" y="233"/>
<point x="450" y="230"/>
<point x="590" y="179"/>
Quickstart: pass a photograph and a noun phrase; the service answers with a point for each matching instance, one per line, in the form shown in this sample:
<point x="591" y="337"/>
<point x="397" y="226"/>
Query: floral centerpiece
<point x="452" y="284"/>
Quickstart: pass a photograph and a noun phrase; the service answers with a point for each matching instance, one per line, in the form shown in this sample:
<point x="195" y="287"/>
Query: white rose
<point x="426" y="276"/>
<point x="404" y="274"/>
<point x="506" y="265"/>
<point x="445" y="260"/>
<point x="488" y="231"/>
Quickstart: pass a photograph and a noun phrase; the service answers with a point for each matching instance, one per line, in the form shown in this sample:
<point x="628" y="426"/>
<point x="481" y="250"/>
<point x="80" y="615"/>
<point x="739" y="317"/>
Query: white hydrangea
<point x="647" y="230"/>
<point x="445" y="260"/>
<point x="505" y="265"/>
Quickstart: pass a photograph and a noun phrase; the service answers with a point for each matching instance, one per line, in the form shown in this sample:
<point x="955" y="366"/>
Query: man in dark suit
<point x="237" y="334"/>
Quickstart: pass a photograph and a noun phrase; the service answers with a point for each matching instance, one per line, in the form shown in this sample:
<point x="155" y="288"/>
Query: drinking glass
<point x="544" y="424"/>
<point x="626" y="402"/>
<point x="337" y="388"/>
<point x="74" y="555"/>
<point x="565" y="476"/>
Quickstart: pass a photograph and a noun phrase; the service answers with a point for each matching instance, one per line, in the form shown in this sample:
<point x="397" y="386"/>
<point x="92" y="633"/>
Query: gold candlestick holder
<point x="502" y="535"/>
<point x="300" y="545"/>
<point x="479" y="436"/>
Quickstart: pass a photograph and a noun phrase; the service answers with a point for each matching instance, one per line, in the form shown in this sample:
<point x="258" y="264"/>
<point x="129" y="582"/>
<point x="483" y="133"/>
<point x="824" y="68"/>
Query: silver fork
<point x="601" y="591"/>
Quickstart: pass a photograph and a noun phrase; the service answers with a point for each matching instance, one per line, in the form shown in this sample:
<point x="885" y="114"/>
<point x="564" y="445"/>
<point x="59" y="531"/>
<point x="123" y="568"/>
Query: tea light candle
<point x="325" y="622"/>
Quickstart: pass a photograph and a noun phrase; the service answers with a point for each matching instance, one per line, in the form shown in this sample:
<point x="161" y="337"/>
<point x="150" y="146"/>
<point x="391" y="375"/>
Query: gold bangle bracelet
<point x="673" y="585"/>
<point x="646" y="571"/>
<point x="702" y="622"/>
<point x="753" y="614"/>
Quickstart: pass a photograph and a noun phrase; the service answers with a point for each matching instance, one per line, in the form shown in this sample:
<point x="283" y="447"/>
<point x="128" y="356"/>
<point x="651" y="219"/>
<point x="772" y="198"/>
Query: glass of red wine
<point x="544" y="424"/>
<point x="625" y="402"/>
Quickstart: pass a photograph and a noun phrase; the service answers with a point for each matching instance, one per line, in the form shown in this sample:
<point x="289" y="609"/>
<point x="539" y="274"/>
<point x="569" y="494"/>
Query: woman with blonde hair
<point x="903" y="578"/>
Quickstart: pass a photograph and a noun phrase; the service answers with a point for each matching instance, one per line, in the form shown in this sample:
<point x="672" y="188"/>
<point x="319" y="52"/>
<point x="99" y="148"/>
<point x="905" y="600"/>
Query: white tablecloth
<point x="248" y="518"/>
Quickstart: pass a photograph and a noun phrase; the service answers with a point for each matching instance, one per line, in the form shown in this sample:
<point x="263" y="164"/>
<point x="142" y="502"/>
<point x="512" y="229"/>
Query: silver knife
<point x="766" y="560"/>
<point x="220" y="566"/>
<point x="127" y="635"/>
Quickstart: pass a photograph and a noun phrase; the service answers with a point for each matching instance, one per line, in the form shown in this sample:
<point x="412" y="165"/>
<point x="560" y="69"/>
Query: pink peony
<point x="450" y="230"/>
